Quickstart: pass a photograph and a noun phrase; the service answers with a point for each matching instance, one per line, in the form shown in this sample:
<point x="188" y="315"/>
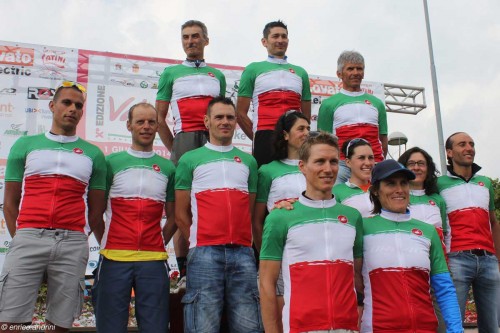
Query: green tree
<point x="496" y="189"/>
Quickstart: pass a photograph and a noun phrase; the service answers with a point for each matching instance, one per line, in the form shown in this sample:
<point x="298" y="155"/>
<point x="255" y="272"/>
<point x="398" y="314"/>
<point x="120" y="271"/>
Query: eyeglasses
<point x="353" y="142"/>
<point x="412" y="164"/>
<point x="71" y="84"/>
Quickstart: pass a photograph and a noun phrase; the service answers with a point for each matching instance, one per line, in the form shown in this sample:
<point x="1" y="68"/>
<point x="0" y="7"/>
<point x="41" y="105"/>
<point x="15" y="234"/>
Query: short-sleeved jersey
<point x="430" y="209"/>
<point x="56" y="171"/>
<point x="275" y="86"/>
<point x="316" y="243"/>
<point x="139" y="184"/>
<point x="351" y="195"/>
<point x="399" y="256"/>
<point x="220" y="179"/>
<point x="189" y="89"/>
<point x="468" y="205"/>
<point x="278" y="181"/>
<point x="351" y="115"/>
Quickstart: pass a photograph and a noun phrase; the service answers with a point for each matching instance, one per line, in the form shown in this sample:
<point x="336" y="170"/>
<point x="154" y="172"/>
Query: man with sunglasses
<point x="54" y="197"/>
<point x="187" y="88"/>
<point x="353" y="113"/>
<point x="273" y="86"/>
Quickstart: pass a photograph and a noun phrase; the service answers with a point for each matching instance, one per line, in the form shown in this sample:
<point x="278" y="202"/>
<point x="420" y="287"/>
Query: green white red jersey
<point x="189" y="89"/>
<point x="220" y="179"/>
<point x="468" y="205"/>
<point x="56" y="171"/>
<point x="400" y="254"/>
<point x="275" y="86"/>
<point x="316" y="243"/>
<point x="351" y="195"/>
<point x="139" y="183"/>
<point x="350" y="115"/>
<point x="430" y="209"/>
<point x="278" y="181"/>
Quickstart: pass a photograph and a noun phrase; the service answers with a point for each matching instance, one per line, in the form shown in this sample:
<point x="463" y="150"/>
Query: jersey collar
<point x="317" y="203"/>
<point x="222" y="149"/>
<point x="352" y="93"/>
<point x="140" y="154"/>
<point x="290" y="162"/>
<point x="193" y="64"/>
<point x="417" y="193"/>
<point x="277" y="60"/>
<point x="396" y="217"/>
<point x="61" y="138"/>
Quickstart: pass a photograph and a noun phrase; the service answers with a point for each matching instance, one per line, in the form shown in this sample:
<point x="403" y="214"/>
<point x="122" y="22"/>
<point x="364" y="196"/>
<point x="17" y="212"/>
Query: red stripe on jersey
<point x="192" y="111"/>
<point x="470" y="229"/>
<point x="53" y="201"/>
<point x="322" y="296"/>
<point x="365" y="131"/>
<point x="223" y="217"/>
<point x="401" y="300"/>
<point x="135" y="225"/>
<point x="273" y="104"/>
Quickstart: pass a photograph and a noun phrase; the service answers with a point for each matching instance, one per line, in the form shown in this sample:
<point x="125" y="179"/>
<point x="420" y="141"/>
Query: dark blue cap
<point x="387" y="168"/>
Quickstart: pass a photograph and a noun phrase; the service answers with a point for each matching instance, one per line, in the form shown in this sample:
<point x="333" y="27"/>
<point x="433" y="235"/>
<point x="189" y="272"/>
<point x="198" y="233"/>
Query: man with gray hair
<point x="187" y="88"/>
<point x="353" y="113"/>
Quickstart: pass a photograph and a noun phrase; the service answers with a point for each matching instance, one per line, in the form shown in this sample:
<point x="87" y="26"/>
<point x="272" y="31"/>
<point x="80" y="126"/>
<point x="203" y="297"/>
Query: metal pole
<point x="435" y="92"/>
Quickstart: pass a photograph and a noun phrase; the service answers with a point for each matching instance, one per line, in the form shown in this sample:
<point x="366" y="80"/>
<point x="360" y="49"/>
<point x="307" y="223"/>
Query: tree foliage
<point x="496" y="189"/>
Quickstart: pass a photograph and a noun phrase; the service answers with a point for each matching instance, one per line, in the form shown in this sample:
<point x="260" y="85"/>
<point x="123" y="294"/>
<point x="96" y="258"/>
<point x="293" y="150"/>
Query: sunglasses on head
<point x="71" y="84"/>
<point x="353" y="142"/>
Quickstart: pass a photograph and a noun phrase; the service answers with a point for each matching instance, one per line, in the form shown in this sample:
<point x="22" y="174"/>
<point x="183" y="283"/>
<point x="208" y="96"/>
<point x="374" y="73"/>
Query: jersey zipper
<point x="56" y="187"/>
<point x="402" y="264"/>
<point x="331" y="315"/>
<point x="228" y="198"/>
<point x="139" y="215"/>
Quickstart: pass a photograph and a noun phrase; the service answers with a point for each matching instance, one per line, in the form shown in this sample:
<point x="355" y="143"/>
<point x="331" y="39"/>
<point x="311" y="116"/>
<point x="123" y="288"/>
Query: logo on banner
<point x="6" y="109"/>
<point x="323" y="87"/>
<point x="44" y="93"/>
<point x="8" y="91"/>
<point x="121" y="111"/>
<point x="17" y="56"/>
<point x="135" y="68"/>
<point x="14" y="130"/>
<point x="54" y="58"/>
<point x="144" y="84"/>
<point x="15" y="71"/>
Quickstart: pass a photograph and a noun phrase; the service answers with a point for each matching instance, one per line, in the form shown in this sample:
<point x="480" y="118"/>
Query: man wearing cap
<point x="318" y="245"/>
<point x="215" y="188"/>
<point x="273" y="86"/>
<point x="475" y="234"/>
<point x="353" y="113"/>
<point x="54" y="196"/>
<point x="402" y="259"/>
<point x="187" y="88"/>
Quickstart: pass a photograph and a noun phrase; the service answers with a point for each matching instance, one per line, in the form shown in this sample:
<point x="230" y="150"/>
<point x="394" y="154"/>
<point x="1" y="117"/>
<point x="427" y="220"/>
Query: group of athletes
<point x="372" y="253"/>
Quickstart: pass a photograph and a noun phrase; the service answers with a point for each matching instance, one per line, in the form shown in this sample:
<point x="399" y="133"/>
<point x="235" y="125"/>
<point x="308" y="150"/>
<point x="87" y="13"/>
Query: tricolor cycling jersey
<point x="316" y="243"/>
<point x="139" y="184"/>
<point x="351" y="195"/>
<point x="189" y="89"/>
<point x="468" y="205"/>
<point x="400" y="254"/>
<point x="350" y="115"/>
<point x="56" y="171"/>
<point x="220" y="179"/>
<point x="278" y="181"/>
<point x="275" y="86"/>
<point x="430" y="209"/>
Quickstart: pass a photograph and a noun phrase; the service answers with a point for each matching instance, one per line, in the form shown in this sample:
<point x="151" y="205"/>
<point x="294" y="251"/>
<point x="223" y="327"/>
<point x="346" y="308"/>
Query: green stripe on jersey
<point x="270" y="172"/>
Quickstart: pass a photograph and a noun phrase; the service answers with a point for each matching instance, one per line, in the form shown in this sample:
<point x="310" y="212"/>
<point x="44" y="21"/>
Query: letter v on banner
<point x="122" y="110"/>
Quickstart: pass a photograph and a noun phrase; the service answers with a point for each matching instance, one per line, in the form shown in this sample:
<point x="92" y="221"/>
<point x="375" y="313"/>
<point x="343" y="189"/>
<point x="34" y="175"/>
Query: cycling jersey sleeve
<point x="447" y="300"/>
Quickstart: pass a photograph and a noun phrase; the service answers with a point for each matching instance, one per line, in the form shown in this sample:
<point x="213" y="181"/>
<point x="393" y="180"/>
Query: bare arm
<point x="96" y="200"/>
<point x="244" y="121"/>
<point x="305" y="107"/>
<point x="183" y="217"/>
<point x="11" y="201"/>
<point x="269" y="271"/>
<point x="166" y="135"/>
<point x="259" y="215"/>
<point x="170" y="227"/>
<point x="383" y="140"/>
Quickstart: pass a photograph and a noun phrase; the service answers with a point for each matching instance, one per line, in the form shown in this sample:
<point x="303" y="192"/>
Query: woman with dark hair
<point x="360" y="160"/>
<point x="402" y="259"/>
<point x="281" y="179"/>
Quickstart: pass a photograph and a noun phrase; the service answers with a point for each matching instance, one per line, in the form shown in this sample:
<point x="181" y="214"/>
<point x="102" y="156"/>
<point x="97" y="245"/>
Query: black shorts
<point x="263" y="146"/>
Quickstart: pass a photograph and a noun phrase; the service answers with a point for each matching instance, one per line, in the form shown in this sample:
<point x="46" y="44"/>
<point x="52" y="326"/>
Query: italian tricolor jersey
<point x="468" y="205"/>
<point x="275" y="86"/>
<point x="56" y="171"/>
<point x="351" y="195"/>
<point x="189" y="89"/>
<point x="350" y="115"/>
<point x="278" y="181"/>
<point x="430" y="209"/>
<point x="139" y="184"/>
<point x="220" y="179"/>
<point x="316" y="243"/>
<point x="399" y="256"/>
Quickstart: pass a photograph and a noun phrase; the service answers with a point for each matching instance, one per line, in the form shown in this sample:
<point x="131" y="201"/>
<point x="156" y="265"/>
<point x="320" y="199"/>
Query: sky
<point x="390" y="34"/>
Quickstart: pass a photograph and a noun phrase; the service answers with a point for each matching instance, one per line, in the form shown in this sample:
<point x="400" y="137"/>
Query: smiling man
<point x="319" y="277"/>
<point x="273" y="87"/>
<point x="187" y="88"/>
<point x="475" y="233"/>
<point x="352" y="113"/>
